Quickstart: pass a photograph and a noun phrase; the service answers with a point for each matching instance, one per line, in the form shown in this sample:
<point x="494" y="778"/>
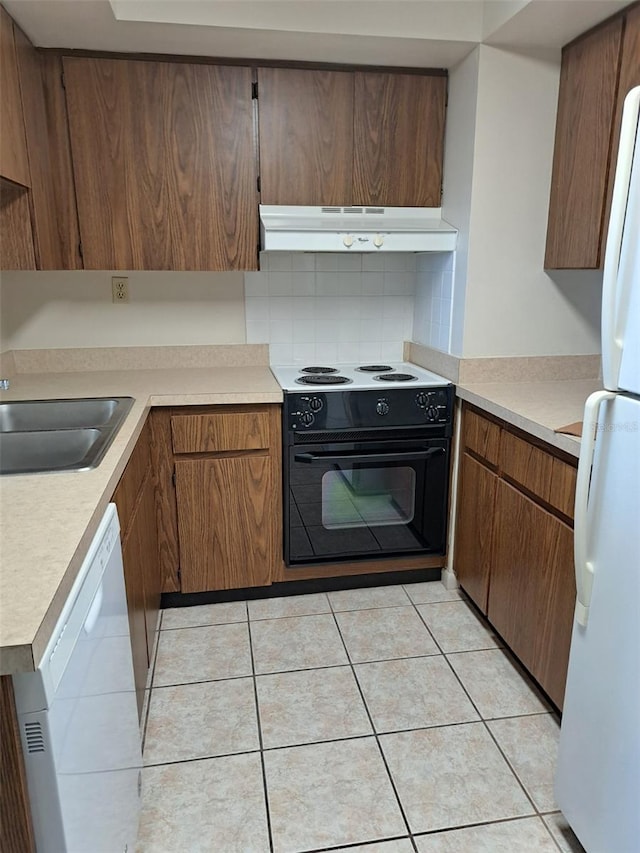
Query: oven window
<point x="362" y="496"/>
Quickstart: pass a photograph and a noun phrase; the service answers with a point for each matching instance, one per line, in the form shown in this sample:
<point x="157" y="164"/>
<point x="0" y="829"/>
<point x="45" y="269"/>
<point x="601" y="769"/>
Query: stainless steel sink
<point x="58" y="435"/>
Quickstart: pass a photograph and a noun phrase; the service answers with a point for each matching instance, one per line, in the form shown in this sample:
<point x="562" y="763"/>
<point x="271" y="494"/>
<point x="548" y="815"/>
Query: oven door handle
<point x="311" y="458"/>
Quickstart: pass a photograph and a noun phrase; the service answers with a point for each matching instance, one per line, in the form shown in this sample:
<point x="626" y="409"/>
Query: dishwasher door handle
<point x="400" y="456"/>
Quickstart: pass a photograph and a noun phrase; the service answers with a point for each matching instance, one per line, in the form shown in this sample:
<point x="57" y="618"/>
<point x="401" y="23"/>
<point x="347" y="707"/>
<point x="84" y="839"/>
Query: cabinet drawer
<point x="562" y="494"/>
<point x="526" y="465"/>
<point x="481" y="436"/>
<point x="220" y="432"/>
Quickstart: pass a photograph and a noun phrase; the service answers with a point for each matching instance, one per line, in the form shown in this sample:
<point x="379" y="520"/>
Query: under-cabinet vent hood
<point x="355" y="229"/>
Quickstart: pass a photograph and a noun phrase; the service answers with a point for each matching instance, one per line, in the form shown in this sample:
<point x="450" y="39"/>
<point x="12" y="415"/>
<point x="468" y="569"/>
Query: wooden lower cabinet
<point x="513" y="550"/>
<point x="135" y="500"/>
<point x="474" y="529"/>
<point x="532" y="590"/>
<point x="225" y="522"/>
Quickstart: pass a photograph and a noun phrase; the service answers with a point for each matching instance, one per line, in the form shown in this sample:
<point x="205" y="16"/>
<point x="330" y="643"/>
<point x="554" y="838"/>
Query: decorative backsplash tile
<point x="433" y="300"/>
<point x="331" y="307"/>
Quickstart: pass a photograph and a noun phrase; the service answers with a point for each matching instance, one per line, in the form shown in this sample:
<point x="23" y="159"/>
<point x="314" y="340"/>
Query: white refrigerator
<point x="598" y="775"/>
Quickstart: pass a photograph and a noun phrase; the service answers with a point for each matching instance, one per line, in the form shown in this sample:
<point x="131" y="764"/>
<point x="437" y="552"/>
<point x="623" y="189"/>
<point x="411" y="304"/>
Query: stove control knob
<point x="422" y="400"/>
<point x="306" y="419"/>
<point x="382" y="407"/>
<point x="348" y="241"/>
<point x="315" y="404"/>
<point x="432" y="413"/>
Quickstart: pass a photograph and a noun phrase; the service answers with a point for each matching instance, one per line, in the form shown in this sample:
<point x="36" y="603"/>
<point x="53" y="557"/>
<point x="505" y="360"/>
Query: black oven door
<point x="362" y="500"/>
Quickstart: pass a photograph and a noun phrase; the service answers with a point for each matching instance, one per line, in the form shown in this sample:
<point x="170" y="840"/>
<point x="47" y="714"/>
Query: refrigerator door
<point x="621" y="281"/>
<point x="598" y="773"/>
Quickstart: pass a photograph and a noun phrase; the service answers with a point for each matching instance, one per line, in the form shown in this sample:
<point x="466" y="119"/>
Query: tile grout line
<point x="375" y="735"/>
<point x="482" y="719"/>
<point x="260" y="740"/>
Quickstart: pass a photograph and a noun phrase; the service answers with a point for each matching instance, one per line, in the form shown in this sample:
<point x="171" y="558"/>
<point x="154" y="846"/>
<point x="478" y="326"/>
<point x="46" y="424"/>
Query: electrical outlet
<point x="120" y="288"/>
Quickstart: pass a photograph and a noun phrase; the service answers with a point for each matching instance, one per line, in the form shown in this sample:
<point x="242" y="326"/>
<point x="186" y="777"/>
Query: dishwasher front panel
<point x="78" y="716"/>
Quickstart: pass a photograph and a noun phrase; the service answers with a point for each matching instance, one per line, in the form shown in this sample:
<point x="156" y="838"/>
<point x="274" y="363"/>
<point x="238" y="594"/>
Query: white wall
<point x="504" y="304"/>
<point x="42" y="310"/>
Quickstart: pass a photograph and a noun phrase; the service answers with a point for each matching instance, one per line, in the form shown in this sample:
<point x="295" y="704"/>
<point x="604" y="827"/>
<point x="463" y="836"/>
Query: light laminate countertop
<point x="47" y="521"/>
<point x="538" y="408"/>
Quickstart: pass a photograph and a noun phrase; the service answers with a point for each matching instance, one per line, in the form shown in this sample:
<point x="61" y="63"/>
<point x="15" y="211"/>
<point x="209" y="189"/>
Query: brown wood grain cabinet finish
<point x="562" y="492"/>
<point x="481" y="435"/>
<point x="398" y="139"/>
<point x="526" y="464"/>
<point x="134" y="584"/>
<point x="16" y="832"/>
<point x="176" y="188"/>
<point x="306" y="136"/>
<point x="225" y="522"/>
<point x="149" y="560"/>
<point x="220" y="432"/>
<point x="14" y="161"/>
<point x="16" y="236"/>
<point x="166" y="509"/>
<point x="532" y="588"/>
<point x="474" y="529"/>
<point x="582" y="154"/>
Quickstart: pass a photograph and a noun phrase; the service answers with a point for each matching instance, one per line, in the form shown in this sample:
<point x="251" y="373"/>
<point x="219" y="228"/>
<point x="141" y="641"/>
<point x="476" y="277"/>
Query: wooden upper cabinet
<point x="306" y="136"/>
<point x="163" y="163"/>
<point x="598" y="70"/>
<point x="398" y="139"/>
<point x="350" y="138"/>
<point x="14" y="161"/>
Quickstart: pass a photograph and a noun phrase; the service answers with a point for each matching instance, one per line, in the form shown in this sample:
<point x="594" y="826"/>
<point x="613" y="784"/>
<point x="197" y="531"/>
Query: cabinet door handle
<point x="583" y="567"/>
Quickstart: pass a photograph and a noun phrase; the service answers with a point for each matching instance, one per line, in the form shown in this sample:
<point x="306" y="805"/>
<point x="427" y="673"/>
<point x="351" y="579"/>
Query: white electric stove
<point x="356" y="377"/>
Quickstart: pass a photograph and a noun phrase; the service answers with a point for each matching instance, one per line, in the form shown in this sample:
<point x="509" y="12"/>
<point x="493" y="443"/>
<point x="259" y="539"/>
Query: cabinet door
<point x="306" y="136"/>
<point x="134" y="583"/>
<point x="225" y="522"/>
<point x="398" y="139"/>
<point x="149" y="562"/>
<point x="474" y="529"/>
<point x="14" y="162"/>
<point x="532" y="591"/>
<point x="582" y="154"/>
<point x="164" y="164"/>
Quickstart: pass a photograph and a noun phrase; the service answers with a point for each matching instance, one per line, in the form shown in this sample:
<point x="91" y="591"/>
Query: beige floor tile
<point x="389" y="632"/>
<point x="204" y="614"/>
<point x="431" y="591"/>
<point x="531" y="745"/>
<point x="450" y="776"/>
<point x="496" y="684"/>
<point x="291" y="605"/>
<point x="527" y="835"/>
<point x="402" y="845"/>
<point x="202" y="654"/>
<point x="328" y="794"/>
<point x="201" y="720"/>
<point x="216" y="804"/>
<point x="456" y="627"/>
<point x="310" y="706"/>
<point x="413" y="693"/>
<point x="366" y="598"/>
<point x="298" y="642"/>
<point x="563" y="834"/>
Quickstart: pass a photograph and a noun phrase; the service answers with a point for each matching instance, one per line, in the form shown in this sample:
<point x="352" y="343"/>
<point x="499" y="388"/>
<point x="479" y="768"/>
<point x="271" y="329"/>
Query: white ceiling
<point x="421" y="33"/>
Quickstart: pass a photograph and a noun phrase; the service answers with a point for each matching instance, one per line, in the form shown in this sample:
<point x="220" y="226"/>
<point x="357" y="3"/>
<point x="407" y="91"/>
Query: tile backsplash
<point x="433" y="300"/>
<point x="331" y="307"/>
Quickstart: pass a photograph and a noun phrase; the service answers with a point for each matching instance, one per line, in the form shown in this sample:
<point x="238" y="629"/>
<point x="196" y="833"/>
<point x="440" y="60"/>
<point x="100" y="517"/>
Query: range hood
<point x="355" y="229"/>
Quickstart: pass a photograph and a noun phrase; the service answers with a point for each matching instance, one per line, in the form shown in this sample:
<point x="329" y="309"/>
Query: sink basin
<point x="58" y="435"/>
<point x="58" y="414"/>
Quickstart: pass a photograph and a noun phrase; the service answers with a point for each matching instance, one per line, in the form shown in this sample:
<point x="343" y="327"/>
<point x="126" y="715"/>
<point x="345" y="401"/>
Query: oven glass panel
<point x="363" y="496"/>
<point x="355" y="500"/>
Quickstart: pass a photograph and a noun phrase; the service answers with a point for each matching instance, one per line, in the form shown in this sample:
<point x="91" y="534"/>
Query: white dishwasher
<point x="78" y="715"/>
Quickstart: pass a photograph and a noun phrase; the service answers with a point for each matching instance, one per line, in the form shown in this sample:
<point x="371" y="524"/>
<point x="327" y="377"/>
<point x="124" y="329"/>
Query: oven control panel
<point x="365" y="409"/>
